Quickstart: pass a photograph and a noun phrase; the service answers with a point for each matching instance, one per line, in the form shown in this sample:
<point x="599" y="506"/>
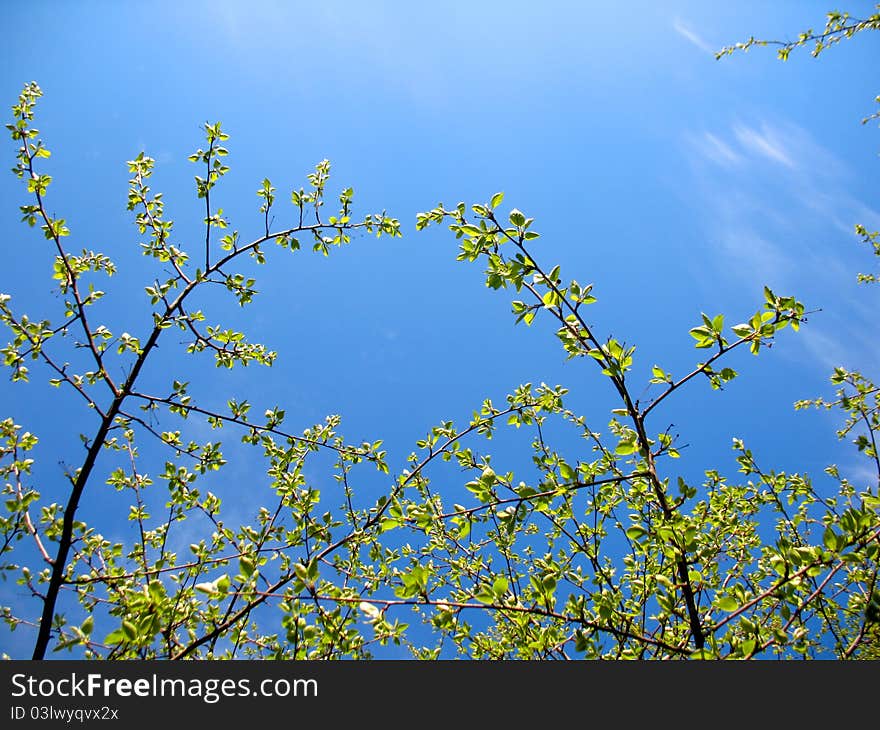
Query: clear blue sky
<point x="674" y="182"/>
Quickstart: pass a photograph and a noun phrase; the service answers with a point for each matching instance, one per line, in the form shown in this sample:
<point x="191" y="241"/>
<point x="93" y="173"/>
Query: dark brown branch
<point x="589" y="341"/>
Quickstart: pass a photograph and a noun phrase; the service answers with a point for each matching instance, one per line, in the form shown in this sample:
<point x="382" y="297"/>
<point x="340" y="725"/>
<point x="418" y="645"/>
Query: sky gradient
<point x="675" y="183"/>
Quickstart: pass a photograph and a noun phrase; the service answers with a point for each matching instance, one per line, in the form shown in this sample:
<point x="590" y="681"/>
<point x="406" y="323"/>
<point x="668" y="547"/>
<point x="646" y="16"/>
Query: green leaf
<point x="551" y="299"/>
<point x="832" y="540"/>
<point x="703" y="335"/>
<point x="636" y="532"/>
<point x="625" y="448"/>
<point x="156" y="590"/>
<point x="727" y="603"/>
<point x="246" y="565"/>
<point x="496" y="200"/>
<point x="129" y="630"/>
<point x="114" y="637"/>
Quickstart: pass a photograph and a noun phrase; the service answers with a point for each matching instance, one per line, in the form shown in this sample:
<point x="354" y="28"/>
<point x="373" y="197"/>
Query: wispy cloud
<point x="691" y="35"/>
<point x="748" y="251"/>
<point x="824" y="348"/>
<point x="714" y="149"/>
<point x="860" y="474"/>
<point x="778" y="208"/>
<point x="764" y="142"/>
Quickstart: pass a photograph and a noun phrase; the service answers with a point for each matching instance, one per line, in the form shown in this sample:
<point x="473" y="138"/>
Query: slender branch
<point x="500" y="607"/>
<point x="722" y="351"/>
<point x="848" y="30"/>
<point x="158" y="231"/>
<point x="245" y="424"/>
<point x="863" y="627"/>
<point x="781" y="582"/>
<point x="71" y="275"/>
<point x="208" y="184"/>
<point x="52" y="333"/>
<point x="60" y="371"/>
<point x="574" y="486"/>
<point x="873" y="439"/>
<point x="178" y="448"/>
<point x="29" y="525"/>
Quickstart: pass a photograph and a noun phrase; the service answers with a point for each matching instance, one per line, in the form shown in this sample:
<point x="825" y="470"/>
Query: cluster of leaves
<point x="838" y="26"/>
<point x="164" y="602"/>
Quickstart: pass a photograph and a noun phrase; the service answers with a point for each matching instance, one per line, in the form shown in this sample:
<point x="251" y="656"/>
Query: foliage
<point x="603" y="552"/>
<point x="161" y="602"/>
<point x="838" y="26"/>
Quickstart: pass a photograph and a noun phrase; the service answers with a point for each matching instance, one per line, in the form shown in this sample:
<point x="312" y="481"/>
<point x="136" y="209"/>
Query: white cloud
<point x="823" y="348"/>
<point x="860" y="474"/>
<point x="750" y="254"/>
<point x="766" y="142"/>
<point x="714" y="149"/>
<point x="689" y="34"/>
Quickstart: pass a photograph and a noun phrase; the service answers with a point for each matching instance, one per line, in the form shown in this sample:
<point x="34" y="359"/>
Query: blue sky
<point x="674" y="182"/>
